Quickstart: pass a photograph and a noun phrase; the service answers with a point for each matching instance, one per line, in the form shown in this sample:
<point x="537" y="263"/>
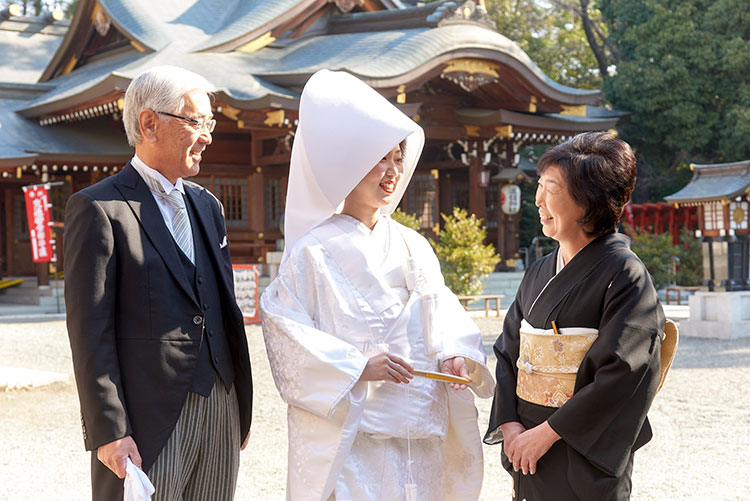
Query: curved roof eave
<point x="201" y="25"/>
<point x="390" y="58"/>
<point x="553" y="121"/>
<point x="713" y="182"/>
<point x="257" y="17"/>
<point x="114" y="74"/>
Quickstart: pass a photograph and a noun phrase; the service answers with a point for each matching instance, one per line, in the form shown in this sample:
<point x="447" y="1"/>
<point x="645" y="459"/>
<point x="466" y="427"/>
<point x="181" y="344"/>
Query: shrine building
<point x="721" y="194"/>
<point x="477" y="95"/>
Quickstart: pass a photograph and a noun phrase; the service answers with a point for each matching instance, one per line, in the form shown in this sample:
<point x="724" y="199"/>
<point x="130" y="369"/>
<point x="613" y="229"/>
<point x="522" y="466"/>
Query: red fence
<point x="661" y="218"/>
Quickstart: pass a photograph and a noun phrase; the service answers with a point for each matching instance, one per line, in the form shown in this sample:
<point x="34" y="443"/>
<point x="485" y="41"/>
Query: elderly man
<point x="159" y="348"/>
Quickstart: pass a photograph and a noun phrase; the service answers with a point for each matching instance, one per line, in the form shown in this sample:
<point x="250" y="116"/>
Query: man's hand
<point x="114" y="454"/>
<point x="244" y="442"/>
<point x="456" y="366"/>
<point x="528" y="447"/>
<point x="387" y="367"/>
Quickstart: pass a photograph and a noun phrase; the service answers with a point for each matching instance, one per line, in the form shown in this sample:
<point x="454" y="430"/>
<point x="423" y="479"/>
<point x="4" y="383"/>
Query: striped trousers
<point x="202" y="456"/>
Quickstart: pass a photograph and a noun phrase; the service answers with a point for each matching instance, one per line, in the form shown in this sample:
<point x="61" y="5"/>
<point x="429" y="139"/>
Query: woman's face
<point x="558" y="212"/>
<point x="377" y="188"/>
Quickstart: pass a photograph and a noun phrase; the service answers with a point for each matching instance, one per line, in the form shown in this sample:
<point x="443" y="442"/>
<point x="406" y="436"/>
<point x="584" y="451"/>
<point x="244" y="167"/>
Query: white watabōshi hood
<point x="345" y="128"/>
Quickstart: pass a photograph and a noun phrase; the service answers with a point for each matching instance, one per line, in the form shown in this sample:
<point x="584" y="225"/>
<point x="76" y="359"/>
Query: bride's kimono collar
<point x="345" y="128"/>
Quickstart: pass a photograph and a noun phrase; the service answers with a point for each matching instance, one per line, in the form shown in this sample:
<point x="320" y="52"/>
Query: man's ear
<point x="147" y="122"/>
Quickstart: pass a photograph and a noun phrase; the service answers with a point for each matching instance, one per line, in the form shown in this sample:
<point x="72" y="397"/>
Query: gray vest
<point x="215" y="356"/>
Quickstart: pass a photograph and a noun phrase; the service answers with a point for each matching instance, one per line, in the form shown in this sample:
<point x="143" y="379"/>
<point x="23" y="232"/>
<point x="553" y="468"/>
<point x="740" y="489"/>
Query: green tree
<point x="464" y="259"/>
<point x="553" y="35"/>
<point x="682" y="70"/>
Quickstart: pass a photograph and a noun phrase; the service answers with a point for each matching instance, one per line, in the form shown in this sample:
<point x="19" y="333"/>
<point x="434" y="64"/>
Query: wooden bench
<point x="678" y="289"/>
<point x="465" y="300"/>
<point x="10" y="282"/>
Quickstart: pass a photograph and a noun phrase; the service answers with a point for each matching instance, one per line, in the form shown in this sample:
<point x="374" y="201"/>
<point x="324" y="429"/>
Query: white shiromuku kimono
<point x="342" y="294"/>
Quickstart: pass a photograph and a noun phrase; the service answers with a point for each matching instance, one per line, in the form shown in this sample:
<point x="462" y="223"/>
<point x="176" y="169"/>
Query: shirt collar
<point x="145" y="170"/>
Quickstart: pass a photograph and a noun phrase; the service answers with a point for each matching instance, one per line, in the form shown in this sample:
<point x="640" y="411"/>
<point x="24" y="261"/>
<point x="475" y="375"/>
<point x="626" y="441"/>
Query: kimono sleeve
<point x="312" y="369"/>
<point x="603" y="419"/>
<point x="504" y="405"/>
<point x="460" y="335"/>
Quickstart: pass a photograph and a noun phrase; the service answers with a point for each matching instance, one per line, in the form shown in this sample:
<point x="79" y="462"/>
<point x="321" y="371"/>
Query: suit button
<point x="197" y="320"/>
<point x="200" y="279"/>
<point x="211" y="332"/>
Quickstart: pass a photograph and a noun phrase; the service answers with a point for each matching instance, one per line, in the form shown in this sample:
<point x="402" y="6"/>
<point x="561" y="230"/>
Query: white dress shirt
<point x="167" y="210"/>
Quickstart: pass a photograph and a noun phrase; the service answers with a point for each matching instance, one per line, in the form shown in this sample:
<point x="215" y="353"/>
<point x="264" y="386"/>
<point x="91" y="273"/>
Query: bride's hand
<point x="387" y="367"/>
<point x="456" y="366"/>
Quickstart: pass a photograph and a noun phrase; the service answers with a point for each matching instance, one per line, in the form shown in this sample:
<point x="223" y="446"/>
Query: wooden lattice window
<point x="58" y="197"/>
<point x="713" y="218"/>
<point x="20" y="223"/>
<point x="274" y="199"/>
<point x="421" y="199"/>
<point x="460" y="195"/>
<point x="491" y="204"/>
<point x="233" y="194"/>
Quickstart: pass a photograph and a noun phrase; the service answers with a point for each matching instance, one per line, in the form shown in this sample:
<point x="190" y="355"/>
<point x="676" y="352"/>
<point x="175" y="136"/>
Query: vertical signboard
<point x="246" y="291"/>
<point x="37" y="213"/>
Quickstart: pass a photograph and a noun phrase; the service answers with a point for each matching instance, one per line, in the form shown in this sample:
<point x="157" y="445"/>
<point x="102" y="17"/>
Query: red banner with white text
<point x="37" y="212"/>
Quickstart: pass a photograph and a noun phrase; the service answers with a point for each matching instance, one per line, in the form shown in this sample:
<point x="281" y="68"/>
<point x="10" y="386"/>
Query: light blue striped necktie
<point x="180" y="222"/>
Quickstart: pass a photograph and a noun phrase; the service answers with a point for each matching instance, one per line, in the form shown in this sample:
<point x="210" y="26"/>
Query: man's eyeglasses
<point x="198" y="125"/>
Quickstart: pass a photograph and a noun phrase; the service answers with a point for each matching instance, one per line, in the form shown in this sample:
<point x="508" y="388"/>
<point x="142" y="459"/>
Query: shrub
<point x="657" y="253"/>
<point x="464" y="258"/>
<point x="408" y="220"/>
<point x="662" y="258"/>
<point x="690" y="268"/>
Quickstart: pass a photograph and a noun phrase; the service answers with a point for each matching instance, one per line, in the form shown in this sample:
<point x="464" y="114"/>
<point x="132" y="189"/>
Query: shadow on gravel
<point x="694" y="353"/>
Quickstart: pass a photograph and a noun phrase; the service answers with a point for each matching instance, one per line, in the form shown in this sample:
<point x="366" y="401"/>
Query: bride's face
<point x="377" y="188"/>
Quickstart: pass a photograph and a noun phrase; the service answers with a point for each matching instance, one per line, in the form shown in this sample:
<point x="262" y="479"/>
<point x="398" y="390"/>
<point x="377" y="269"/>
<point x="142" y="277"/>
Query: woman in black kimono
<point x="578" y="358"/>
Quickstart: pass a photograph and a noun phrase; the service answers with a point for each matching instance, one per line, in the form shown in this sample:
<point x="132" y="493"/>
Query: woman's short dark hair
<point x="599" y="170"/>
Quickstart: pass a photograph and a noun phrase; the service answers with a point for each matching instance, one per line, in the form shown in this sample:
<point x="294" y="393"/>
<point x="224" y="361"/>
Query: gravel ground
<point x="700" y="419"/>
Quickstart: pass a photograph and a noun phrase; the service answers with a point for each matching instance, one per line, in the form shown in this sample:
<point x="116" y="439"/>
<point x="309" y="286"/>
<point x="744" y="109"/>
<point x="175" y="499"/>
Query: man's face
<point x="180" y="144"/>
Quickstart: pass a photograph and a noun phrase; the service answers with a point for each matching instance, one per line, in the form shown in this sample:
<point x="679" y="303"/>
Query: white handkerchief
<point x="137" y="485"/>
<point x="223" y="243"/>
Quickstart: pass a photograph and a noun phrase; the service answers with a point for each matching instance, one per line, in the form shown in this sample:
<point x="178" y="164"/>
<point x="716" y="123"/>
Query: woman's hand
<point x="387" y="367"/>
<point x="528" y="447"/>
<point x="456" y="366"/>
<point x="510" y="431"/>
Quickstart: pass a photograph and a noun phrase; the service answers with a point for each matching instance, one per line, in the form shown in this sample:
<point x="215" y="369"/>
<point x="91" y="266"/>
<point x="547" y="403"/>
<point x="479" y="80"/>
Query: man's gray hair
<point x="161" y="88"/>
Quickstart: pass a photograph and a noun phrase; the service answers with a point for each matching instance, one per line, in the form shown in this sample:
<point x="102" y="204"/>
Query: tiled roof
<point x="714" y="182"/>
<point x="194" y="24"/>
<point x="24" y="140"/>
<point x="386" y="54"/>
<point x="26" y="46"/>
<point x="230" y="73"/>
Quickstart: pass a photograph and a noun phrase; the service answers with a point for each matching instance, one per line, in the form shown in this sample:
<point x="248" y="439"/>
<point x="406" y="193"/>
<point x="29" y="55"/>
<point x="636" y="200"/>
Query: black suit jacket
<point x="134" y="322"/>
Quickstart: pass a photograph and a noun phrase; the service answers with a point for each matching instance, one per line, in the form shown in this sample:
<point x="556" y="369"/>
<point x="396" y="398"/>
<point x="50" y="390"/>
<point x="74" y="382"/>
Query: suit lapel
<point x="138" y="196"/>
<point x="204" y="215"/>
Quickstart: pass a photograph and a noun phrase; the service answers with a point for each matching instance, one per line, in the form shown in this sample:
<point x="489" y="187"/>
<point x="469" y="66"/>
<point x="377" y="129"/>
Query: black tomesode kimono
<point x="605" y="287"/>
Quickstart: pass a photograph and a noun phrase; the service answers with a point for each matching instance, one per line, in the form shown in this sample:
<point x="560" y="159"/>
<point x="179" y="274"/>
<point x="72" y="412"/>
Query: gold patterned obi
<point x="548" y="363"/>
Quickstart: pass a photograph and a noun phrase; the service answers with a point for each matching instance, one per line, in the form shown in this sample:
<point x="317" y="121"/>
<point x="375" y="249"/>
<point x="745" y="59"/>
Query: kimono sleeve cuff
<point x="359" y="366"/>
